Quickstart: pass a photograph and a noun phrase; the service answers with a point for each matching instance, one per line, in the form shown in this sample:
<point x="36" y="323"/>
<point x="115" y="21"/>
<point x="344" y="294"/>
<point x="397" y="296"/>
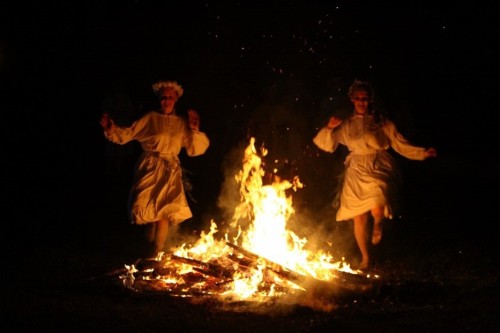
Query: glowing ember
<point x="263" y="261"/>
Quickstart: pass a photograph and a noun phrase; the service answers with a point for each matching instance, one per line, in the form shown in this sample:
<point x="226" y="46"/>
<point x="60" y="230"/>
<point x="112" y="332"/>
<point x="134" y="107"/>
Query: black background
<point x="270" y="69"/>
<point x="273" y="70"/>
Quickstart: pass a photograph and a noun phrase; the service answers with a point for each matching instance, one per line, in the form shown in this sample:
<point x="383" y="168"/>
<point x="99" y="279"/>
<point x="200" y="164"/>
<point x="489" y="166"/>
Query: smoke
<point x="229" y="196"/>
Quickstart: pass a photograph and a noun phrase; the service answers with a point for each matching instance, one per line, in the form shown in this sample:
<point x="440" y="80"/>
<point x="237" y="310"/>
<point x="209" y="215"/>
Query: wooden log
<point x="342" y="283"/>
<point x="211" y="269"/>
<point x="282" y="271"/>
<point x="189" y="261"/>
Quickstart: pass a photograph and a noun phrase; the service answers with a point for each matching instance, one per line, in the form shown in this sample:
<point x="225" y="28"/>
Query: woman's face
<point x="168" y="98"/>
<point x="361" y="101"/>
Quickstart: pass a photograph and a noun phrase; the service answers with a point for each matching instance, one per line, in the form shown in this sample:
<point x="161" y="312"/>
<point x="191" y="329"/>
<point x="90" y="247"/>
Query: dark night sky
<point x="276" y="70"/>
<point x="245" y="65"/>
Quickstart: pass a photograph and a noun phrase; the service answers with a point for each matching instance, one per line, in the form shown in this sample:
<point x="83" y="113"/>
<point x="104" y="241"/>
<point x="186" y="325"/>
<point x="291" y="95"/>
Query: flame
<point x="259" y="226"/>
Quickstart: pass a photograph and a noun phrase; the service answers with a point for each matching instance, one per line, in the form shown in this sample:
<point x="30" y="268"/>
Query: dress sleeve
<point x="325" y="140"/>
<point x="401" y="145"/>
<point x="198" y="145"/>
<point x="195" y="142"/>
<point x="122" y="135"/>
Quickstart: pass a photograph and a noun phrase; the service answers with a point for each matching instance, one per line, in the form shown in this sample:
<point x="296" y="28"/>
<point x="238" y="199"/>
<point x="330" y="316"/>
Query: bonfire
<point x="257" y="260"/>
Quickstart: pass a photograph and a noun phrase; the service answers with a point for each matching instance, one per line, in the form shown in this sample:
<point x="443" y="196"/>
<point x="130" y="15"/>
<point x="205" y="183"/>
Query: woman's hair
<point x="377" y="112"/>
<point x="361" y="85"/>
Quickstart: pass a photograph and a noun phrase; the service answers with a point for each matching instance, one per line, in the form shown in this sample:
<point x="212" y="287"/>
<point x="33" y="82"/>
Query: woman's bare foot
<point x="363" y="266"/>
<point x="377" y="233"/>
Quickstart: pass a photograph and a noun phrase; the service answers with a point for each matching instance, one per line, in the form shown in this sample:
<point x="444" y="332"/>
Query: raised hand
<point x="106" y="122"/>
<point x="333" y="122"/>
<point x="431" y="152"/>
<point x="194" y="120"/>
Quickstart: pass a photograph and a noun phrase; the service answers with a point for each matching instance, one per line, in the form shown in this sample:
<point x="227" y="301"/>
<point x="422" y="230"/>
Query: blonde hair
<point x="158" y="86"/>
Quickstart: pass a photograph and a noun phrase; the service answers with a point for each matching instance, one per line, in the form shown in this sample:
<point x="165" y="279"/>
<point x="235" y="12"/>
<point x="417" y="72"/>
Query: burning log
<point x="211" y="269"/>
<point x="280" y="270"/>
<point x="189" y="261"/>
<point x="342" y="283"/>
<point x="148" y="264"/>
<point x="211" y="278"/>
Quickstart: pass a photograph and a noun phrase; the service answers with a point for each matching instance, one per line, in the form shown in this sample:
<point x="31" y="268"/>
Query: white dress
<point x="371" y="175"/>
<point x="158" y="191"/>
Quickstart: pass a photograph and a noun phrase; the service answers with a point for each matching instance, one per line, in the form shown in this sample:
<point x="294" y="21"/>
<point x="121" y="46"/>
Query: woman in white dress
<point x="370" y="179"/>
<point x="157" y="197"/>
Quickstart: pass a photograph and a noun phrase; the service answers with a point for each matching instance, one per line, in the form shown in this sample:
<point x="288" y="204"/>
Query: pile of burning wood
<point x="230" y="279"/>
<point x="269" y="262"/>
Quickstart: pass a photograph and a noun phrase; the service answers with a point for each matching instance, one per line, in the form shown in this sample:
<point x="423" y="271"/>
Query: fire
<point x="258" y="259"/>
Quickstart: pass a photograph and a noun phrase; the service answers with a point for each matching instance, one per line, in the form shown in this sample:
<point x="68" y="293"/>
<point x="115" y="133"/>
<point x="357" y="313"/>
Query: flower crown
<point x="168" y="84"/>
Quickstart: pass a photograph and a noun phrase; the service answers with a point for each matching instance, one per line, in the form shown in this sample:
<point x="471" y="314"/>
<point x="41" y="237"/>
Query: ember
<point x="264" y="262"/>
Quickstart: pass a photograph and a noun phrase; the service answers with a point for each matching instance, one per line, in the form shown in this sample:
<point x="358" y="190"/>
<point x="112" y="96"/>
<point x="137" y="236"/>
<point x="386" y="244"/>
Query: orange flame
<point x="268" y="209"/>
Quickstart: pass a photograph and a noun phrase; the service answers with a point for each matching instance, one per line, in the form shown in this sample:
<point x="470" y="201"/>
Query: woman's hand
<point x="106" y="122"/>
<point x="333" y="122"/>
<point x="431" y="152"/>
<point x="193" y="120"/>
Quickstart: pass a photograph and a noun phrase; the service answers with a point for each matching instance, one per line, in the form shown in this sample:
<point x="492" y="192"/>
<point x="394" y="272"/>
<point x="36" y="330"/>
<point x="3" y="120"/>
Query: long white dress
<point x="371" y="175"/>
<point x="158" y="191"/>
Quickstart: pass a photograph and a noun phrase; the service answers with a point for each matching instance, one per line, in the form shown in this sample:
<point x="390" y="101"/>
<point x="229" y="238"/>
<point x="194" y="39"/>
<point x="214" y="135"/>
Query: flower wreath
<point x="168" y="84"/>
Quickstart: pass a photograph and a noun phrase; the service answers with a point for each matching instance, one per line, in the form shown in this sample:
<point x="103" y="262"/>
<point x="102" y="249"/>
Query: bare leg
<point x="150" y="232"/>
<point x="361" y="235"/>
<point x="161" y="234"/>
<point x="378" y="217"/>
